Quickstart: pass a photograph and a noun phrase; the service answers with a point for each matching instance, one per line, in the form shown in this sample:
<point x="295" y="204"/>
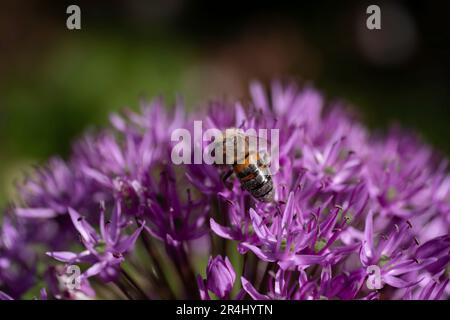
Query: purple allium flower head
<point x="50" y="190"/>
<point x="355" y="215"/>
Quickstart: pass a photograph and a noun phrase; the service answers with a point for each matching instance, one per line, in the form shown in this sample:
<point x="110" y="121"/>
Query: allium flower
<point x="50" y="190"/>
<point x="354" y="216"/>
<point x="392" y="258"/>
<point x="17" y="260"/>
<point x="105" y="251"/>
<point x="220" y="277"/>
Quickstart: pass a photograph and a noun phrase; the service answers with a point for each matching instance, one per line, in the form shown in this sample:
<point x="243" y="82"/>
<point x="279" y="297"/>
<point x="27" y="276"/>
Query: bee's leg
<point x="226" y="175"/>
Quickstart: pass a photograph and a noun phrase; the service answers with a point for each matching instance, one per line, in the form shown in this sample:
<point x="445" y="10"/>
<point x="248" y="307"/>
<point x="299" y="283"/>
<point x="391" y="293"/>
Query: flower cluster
<point x="354" y="216"/>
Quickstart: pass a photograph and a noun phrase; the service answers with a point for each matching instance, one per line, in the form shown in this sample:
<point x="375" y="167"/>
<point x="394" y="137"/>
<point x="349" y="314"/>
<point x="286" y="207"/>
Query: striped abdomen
<point x="255" y="177"/>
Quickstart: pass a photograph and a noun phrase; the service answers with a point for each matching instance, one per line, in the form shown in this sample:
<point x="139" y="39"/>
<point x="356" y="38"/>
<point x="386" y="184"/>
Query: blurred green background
<point x="56" y="83"/>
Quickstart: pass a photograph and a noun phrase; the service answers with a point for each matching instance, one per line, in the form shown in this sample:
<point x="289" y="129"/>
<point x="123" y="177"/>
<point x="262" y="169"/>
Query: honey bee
<point x="248" y="164"/>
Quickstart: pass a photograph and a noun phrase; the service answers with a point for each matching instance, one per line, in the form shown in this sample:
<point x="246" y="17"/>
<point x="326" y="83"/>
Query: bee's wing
<point x="262" y="147"/>
<point x="263" y="144"/>
<point x="264" y="157"/>
<point x="252" y="141"/>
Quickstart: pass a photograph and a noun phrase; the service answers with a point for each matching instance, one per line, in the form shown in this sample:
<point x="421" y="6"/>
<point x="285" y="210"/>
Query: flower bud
<point x="220" y="276"/>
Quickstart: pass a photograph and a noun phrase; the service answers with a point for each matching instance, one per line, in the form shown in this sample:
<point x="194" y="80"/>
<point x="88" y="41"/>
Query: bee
<point x="248" y="164"/>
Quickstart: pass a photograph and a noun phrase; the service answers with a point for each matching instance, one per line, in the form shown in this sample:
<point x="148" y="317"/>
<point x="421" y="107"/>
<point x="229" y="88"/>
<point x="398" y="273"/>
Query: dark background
<point x="56" y="83"/>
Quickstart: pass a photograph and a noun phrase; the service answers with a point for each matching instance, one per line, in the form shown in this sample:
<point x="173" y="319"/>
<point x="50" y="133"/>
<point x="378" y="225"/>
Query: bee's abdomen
<point x="256" y="179"/>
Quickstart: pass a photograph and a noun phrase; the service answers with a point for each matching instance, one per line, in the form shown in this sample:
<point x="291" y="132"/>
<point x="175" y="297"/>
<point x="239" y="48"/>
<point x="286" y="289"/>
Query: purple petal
<point x="113" y="227"/>
<point x="95" y="269"/>
<point x="201" y="287"/>
<point x="399" y="283"/>
<point x="408" y="266"/>
<point x="97" y="176"/>
<point x="440" y="290"/>
<point x="434" y="247"/>
<point x="265" y="256"/>
<point x="127" y="244"/>
<point x="4" y="296"/>
<point x="259" y="96"/>
<point x="63" y="256"/>
<point x="250" y="289"/>
<point x="43" y="294"/>
<point x="299" y="260"/>
<point x="83" y="227"/>
<point x="70" y="257"/>
<point x="288" y="212"/>
<point x="153" y="234"/>
<point x="118" y="122"/>
<point x="221" y="231"/>
<point x="240" y="115"/>
<point x="368" y="236"/>
<point x="43" y="213"/>
<point x="260" y="228"/>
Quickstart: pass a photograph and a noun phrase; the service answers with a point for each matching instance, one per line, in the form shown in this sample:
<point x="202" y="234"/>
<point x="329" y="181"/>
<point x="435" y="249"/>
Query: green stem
<point x="124" y="290"/>
<point x="160" y="275"/>
<point x="135" y="285"/>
